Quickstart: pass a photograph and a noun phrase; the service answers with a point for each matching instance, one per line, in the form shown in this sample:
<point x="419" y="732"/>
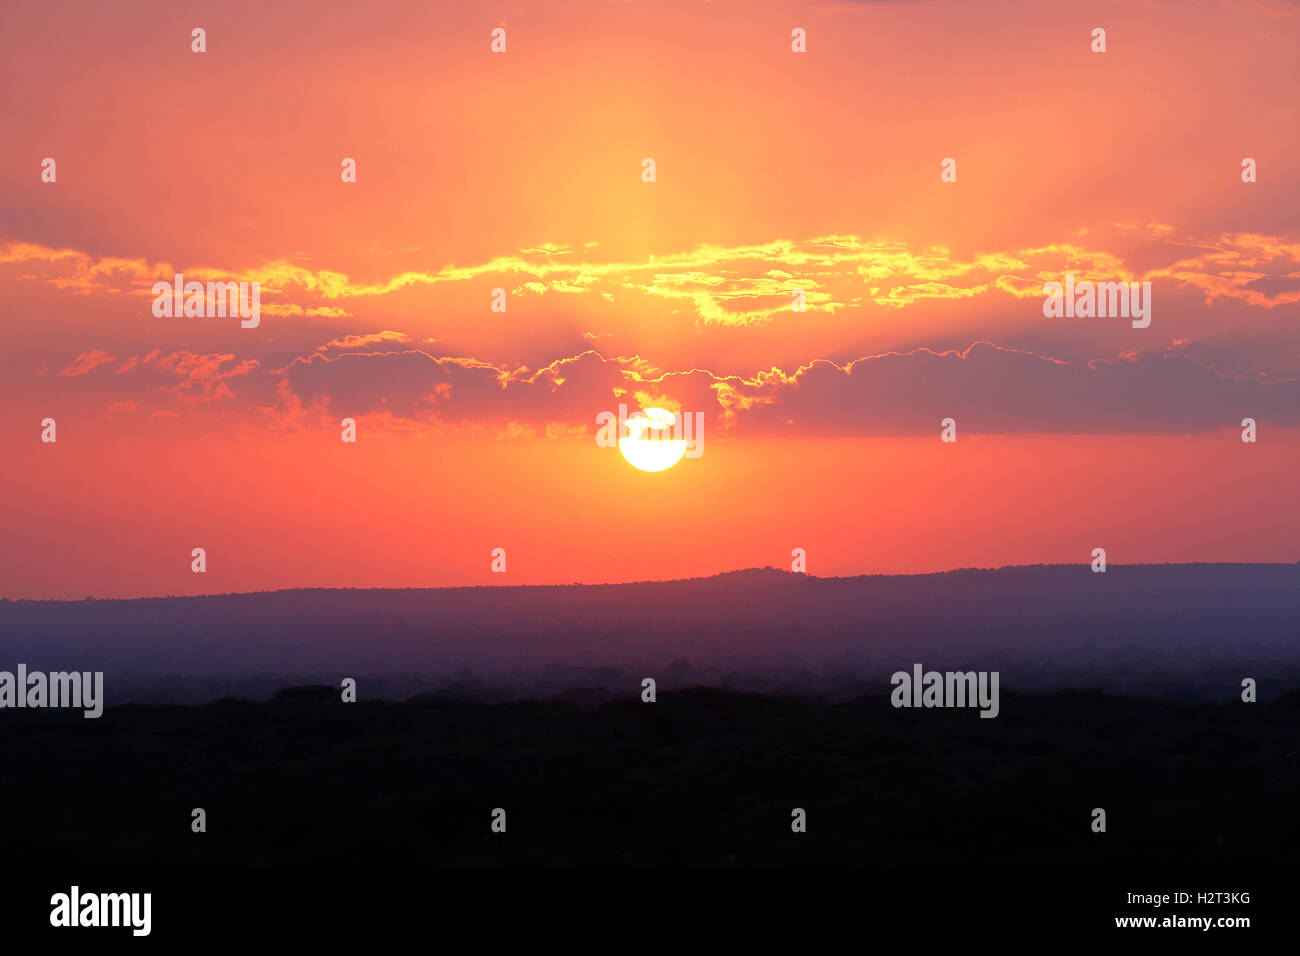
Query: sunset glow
<point x="459" y="251"/>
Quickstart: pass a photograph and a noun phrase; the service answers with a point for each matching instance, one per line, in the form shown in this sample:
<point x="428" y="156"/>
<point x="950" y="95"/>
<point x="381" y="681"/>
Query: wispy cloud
<point x="734" y="285"/>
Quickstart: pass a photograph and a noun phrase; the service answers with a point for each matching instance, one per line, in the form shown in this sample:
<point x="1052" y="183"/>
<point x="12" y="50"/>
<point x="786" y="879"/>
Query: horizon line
<point x="706" y="577"/>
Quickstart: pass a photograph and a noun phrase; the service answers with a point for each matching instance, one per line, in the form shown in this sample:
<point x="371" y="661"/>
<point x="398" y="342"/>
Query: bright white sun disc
<point x="651" y="453"/>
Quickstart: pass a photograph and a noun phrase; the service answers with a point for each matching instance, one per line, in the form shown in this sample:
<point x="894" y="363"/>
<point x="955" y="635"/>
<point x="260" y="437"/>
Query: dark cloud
<point x="987" y="388"/>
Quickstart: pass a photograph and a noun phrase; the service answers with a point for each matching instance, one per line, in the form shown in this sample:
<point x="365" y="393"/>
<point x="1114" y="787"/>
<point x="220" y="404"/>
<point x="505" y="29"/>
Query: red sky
<point x="776" y="171"/>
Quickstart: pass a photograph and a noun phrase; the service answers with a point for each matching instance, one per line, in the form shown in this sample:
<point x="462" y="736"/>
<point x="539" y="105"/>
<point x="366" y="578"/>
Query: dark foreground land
<point x="701" y="776"/>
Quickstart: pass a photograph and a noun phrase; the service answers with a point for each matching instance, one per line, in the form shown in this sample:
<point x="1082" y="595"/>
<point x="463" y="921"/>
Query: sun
<point x="644" y="448"/>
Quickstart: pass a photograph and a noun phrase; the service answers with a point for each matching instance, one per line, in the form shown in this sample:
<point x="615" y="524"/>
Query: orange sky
<point x="775" y="171"/>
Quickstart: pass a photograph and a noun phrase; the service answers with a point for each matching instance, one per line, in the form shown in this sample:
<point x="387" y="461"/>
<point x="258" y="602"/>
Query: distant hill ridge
<point x="766" y="573"/>
<point x="1053" y="625"/>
